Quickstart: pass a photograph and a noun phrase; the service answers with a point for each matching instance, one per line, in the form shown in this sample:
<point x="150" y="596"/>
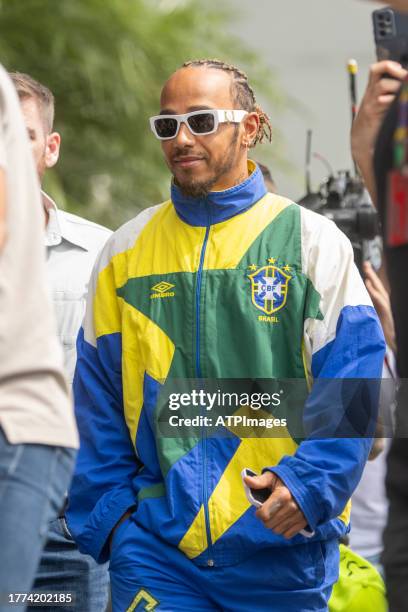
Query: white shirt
<point x="73" y="244"/>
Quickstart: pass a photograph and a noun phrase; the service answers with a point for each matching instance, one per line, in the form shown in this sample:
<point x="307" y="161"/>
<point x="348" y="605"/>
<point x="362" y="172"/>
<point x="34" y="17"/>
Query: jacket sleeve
<point x="344" y="352"/>
<point x="102" y="488"/>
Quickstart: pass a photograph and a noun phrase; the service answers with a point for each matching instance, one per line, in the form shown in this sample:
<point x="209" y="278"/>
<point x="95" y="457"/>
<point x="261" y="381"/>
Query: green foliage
<point x="106" y="61"/>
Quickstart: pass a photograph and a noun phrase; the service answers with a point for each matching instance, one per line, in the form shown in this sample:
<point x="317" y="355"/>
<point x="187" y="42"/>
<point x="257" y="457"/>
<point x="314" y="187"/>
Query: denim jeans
<point x="33" y="481"/>
<point x="64" y="569"/>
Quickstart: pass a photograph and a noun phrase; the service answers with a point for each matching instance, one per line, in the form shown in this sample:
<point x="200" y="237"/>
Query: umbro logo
<point x="162" y="290"/>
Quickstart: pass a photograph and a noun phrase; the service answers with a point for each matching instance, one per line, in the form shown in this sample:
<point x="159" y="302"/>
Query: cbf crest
<point x="269" y="287"/>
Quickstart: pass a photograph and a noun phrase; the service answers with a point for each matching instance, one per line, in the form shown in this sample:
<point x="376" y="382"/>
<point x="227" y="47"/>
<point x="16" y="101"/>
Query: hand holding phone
<point x="257" y="497"/>
<point x="378" y="97"/>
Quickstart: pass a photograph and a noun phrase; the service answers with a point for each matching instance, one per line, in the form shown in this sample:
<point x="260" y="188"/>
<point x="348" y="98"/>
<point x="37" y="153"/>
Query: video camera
<point x="344" y="199"/>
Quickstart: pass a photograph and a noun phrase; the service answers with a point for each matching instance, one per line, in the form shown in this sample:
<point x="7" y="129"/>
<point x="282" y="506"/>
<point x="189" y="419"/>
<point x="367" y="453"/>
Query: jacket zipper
<point x="210" y="561"/>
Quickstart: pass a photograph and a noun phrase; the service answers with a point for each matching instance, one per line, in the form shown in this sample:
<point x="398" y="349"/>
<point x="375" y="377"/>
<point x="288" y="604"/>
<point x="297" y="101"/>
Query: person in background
<point x="369" y="507"/>
<point x="72" y="245"/>
<point x="380" y="148"/>
<point x="37" y="427"/>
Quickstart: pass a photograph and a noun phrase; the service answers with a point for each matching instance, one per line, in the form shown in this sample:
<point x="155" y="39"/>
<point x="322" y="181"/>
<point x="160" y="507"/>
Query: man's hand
<point x="382" y="304"/>
<point x="280" y="512"/>
<point x="379" y="95"/>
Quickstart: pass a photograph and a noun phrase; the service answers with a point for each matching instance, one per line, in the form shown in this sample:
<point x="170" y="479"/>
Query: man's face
<point x="212" y="162"/>
<point x="36" y="133"/>
<point x="45" y="146"/>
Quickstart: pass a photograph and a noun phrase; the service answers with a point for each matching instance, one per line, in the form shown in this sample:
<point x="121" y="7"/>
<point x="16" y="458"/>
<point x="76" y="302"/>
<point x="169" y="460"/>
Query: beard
<point x="200" y="189"/>
<point x="197" y="189"/>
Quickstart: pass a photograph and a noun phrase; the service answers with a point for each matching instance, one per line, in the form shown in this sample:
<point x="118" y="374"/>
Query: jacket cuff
<point x="303" y="498"/>
<point x="93" y="539"/>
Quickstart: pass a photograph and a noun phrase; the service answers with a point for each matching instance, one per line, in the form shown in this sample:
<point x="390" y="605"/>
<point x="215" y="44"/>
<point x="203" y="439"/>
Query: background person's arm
<point x="377" y="99"/>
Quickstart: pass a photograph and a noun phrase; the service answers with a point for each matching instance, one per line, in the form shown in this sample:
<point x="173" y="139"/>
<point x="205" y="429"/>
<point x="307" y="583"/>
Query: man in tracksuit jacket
<point x="222" y="281"/>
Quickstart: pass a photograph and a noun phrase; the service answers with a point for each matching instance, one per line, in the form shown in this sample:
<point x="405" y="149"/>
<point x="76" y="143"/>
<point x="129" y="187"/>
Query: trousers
<point x="149" y="574"/>
<point x="33" y="481"/>
<point x="64" y="569"/>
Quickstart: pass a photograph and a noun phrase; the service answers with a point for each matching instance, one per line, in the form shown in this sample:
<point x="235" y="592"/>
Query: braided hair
<point x="243" y="95"/>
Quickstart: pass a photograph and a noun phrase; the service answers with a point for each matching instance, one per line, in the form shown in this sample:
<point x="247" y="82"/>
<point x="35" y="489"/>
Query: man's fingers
<point x="277" y="502"/>
<point x="388" y="86"/>
<point x="295" y="525"/>
<point x="377" y="296"/>
<point x="374" y="284"/>
<point x="370" y="274"/>
<point x="271" y="518"/>
<point x="284" y="521"/>
<point x="387" y="67"/>
<point x="372" y="290"/>
<point x="263" y="481"/>
<point x="291" y="525"/>
<point x="294" y="529"/>
<point x="269" y="509"/>
<point x="277" y="514"/>
<point x="386" y="100"/>
<point x="280" y="512"/>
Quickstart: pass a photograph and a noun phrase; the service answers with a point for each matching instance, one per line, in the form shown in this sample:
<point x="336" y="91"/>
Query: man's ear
<point x="52" y="149"/>
<point x="251" y="127"/>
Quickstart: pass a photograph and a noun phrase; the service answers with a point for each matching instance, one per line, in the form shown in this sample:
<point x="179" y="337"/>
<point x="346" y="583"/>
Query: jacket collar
<point x="220" y="205"/>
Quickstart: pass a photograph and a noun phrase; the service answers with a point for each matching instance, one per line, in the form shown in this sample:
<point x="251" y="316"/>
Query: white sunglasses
<point x="200" y="122"/>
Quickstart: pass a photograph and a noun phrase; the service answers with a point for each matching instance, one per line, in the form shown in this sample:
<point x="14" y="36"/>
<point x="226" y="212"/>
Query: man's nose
<point x="184" y="136"/>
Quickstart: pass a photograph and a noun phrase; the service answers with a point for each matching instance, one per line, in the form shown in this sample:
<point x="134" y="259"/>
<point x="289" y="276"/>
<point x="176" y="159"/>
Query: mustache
<point x="187" y="151"/>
